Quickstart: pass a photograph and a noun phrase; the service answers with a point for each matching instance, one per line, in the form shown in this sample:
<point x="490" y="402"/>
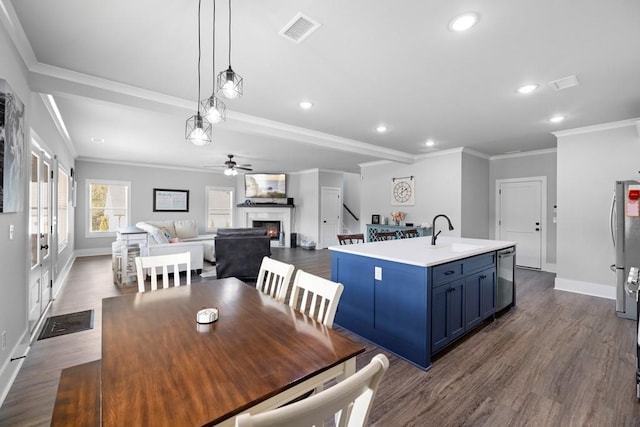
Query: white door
<point x="330" y="209"/>
<point x="520" y="219"/>
<point x="40" y="196"/>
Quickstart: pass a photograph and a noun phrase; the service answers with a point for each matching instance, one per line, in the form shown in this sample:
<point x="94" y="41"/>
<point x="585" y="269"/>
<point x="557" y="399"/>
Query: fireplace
<point x="283" y="215"/>
<point x="273" y="227"/>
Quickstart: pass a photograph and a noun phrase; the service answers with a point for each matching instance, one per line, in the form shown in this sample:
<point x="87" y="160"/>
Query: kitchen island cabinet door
<point x="479" y="292"/>
<point x="488" y="293"/>
<point x="447" y="314"/>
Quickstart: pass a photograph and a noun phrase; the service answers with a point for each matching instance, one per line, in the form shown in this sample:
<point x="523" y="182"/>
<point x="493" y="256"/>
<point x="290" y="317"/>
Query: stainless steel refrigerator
<point x="625" y="233"/>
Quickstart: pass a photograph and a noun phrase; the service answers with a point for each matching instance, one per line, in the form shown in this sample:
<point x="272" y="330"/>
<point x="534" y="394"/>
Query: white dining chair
<point x="348" y="402"/>
<point x="164" y="262"/>
<point x="316" y="297"/>
<point x="274" y="278"/>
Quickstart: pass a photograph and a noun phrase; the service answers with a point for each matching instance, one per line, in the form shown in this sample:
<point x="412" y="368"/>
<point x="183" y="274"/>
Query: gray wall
<point x="438" y="188"/>
<point x="351" y="198"/>
<point x="588" y="165"/>
<point x="307" y="200"/>
<point x="543" y="163"/>
<point x="143" y="180"/>
<point x="475" y="203"/>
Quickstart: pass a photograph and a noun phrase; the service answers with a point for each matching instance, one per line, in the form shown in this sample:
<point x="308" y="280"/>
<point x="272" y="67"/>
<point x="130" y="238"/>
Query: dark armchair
<point x="239" y="252"/>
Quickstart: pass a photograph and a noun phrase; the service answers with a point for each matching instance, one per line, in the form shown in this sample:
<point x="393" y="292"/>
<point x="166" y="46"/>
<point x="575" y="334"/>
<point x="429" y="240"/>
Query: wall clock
<point x="402" y="191"/>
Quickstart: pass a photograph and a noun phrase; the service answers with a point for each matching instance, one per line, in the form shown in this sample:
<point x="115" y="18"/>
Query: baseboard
<point x="549" y="268"/>
<point x="585" y="288"/>
<point x="12" y="366"/>
<point x="62" y="277"/>
<point x="92" y="252"/>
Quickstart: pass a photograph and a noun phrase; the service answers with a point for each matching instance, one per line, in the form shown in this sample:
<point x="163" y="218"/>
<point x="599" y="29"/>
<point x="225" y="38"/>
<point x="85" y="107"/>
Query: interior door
<point x="520" y="219"/>
<point x="330" y="209"/>
<point x="40" y="197"/>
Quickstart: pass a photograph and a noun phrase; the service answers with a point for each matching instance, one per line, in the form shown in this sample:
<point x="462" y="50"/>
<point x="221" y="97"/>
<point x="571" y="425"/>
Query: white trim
<point x="596" y="128"/>
<point x="13" y="26"/>
<point x="92" y="252"/>
<point x="585" y="288"/>
<point x="374" y="163"/>
<point x="524" y="154"/>
<point x="58" y="121"/>
<point x="543" y="208"/>
<point x="232" y="206"/>
<point x="475" y="153"/>
<point x="61" y="279"/>
<point x="438" y="153"/>
<point x="10" y="368"/>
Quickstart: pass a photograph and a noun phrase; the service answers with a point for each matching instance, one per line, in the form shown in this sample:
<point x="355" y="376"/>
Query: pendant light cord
<point x="199" y="55"/>
<point x="229" y="33"/>
<point x="213" y="50"/>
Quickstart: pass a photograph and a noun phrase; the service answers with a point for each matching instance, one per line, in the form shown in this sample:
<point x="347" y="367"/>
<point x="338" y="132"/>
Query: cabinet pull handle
<point x="449" y="273"/>
<point x="483" y="277"/>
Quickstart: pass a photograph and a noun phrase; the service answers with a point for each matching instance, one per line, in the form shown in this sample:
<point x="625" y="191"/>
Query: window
<point x="108" y="203"/>
<point x="219" y="208"/>
<point x="63" y="206"/>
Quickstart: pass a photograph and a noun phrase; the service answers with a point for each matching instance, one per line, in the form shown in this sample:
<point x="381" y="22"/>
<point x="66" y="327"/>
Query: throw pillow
<point x="186" y="229"/>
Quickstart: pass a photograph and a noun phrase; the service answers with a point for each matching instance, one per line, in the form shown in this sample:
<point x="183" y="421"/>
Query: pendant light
<point x="198" y="130"/>
<point x="214" y="109"/>
<point x="229" y="82"/>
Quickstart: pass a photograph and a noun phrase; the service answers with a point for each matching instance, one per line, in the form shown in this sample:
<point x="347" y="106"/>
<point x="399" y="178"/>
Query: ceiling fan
<point x="231" y="167"/>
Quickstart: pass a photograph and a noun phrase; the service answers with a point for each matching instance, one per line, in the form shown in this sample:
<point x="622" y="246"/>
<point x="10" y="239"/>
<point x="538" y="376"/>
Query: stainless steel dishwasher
<point x="505" y="278"/>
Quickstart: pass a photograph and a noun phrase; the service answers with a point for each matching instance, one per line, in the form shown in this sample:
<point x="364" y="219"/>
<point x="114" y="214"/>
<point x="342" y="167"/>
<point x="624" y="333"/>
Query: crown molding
<point x="597" y="128"/>
<point x="56" y="118"/>
<point x="524" y="154"/>
<point x="144" y="165"/>
<point x="12" y="24"/>
<point x="475" y="153"/>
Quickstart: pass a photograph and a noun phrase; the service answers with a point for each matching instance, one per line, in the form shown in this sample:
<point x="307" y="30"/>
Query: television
<point x="265" y="185"/>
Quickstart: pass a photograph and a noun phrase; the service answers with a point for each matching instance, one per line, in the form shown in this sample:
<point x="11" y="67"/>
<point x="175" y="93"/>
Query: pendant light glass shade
<point x="230" y="172"/>
<point x="214" y="110"/>
<point x="198" y="130"/>
<point x="230" y="84"/>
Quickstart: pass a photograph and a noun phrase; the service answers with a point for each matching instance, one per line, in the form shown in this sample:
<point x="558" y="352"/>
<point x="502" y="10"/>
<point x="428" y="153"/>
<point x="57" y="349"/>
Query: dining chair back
<point x="274" y="278"/>
<point x="349" y="239"/>
<point x="347" y="402"/>
<point x="379" y="236"/>
<point x="316" y="297"/>
<point x="407" y="234"/>
<point x="164" y="262"/>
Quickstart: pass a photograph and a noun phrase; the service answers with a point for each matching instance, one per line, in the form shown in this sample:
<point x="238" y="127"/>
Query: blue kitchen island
<point x="412" y="298"/>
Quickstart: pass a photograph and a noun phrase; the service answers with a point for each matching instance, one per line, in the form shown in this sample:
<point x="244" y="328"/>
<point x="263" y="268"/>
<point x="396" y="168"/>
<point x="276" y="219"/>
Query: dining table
<point x="161" y="367"/>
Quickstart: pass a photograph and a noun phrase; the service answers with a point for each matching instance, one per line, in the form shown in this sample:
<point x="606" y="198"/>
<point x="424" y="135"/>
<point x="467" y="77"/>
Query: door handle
<point x="537" y="229"/>
<point x="537" y="223"/>
<point x="44" y="246"/>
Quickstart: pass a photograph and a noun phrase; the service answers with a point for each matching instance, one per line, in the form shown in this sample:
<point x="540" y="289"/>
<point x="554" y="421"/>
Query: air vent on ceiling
<point x="299" y="28"/>
<point x="565" y="83"/>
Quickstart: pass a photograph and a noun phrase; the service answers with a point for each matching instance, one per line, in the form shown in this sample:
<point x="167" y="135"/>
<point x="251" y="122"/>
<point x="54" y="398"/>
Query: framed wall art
<point x="11" y="149"/>
<point x="170" y="200"/>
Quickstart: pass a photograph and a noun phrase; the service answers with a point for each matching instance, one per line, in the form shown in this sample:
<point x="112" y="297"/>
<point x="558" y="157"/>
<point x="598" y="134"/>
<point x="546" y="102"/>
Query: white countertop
<point x="418" y="250"/>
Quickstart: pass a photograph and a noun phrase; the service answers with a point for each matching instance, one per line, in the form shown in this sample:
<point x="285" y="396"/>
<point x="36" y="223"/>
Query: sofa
<point x="239" y="252"/>
<point x="172" y="237"/>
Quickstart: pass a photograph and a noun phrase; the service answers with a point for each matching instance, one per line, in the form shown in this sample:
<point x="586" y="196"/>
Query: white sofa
<point x="172" y="237"/>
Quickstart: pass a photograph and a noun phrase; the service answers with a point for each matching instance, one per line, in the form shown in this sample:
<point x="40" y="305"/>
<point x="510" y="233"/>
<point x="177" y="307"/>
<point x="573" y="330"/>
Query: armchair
<point x="239" y="252"/>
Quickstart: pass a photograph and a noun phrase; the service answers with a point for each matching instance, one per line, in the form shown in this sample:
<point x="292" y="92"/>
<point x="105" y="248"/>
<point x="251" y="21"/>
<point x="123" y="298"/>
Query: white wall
<point x="539" y="163"/>
<point x="143" y="180"/>
<point x="475" y="196"/>
<point x="351" y="198"/>
<point x="589" y="161"/>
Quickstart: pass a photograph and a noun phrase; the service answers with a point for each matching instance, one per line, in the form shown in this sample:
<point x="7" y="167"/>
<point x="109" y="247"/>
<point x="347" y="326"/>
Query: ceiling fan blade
<point x="244" y="169"/>
<point x="213" y="166"/>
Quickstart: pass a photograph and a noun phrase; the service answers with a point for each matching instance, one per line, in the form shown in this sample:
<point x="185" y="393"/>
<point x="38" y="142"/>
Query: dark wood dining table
<point x="160" y="367"/>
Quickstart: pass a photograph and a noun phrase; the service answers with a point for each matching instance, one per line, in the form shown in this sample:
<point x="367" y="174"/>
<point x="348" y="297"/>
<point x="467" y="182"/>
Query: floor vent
<point x="565" y="83"/>
<point x="299" y="28"/>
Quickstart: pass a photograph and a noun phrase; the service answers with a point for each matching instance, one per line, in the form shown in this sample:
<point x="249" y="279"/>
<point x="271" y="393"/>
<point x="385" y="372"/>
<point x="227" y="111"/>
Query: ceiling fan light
<point x="230" y="84"/>
<point x="214" y="110"/>
<point x="228" y="171"/>
<point x="198" y="130"/>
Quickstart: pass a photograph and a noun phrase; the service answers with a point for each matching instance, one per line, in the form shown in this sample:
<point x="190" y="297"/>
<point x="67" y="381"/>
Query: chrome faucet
<point x="434" y="236"/>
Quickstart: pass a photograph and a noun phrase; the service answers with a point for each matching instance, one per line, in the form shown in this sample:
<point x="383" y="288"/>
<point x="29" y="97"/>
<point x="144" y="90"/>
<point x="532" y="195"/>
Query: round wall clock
<point x="402" y="191"/>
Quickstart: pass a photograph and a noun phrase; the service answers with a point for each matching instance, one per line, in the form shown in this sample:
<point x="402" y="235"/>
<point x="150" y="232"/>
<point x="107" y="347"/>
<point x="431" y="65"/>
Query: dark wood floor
<point x="558" y="359"/>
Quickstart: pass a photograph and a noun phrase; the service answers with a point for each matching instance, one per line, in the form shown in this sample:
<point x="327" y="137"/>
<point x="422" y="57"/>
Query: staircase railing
<point x="349" y="210"/>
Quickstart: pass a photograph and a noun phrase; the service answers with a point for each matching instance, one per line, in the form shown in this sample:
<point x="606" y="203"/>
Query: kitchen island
<point x="413" y="298"/>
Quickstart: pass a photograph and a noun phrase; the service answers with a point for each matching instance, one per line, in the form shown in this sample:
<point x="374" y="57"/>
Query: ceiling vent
<point x="299" y="28"/>
<point x="565" y="83"/>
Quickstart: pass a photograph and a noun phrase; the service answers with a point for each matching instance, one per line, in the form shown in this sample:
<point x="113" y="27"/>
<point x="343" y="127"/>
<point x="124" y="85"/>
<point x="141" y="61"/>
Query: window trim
<point x="206" y="206"/>
<point x="62" y="244"/>
<point x="92" y="181"/>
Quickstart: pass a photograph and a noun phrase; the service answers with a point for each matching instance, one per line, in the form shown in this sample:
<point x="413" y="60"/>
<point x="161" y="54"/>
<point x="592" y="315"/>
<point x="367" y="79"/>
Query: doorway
<point x="40" y="230"/>
<point x="520" y="215"/>
<point x="330" y="216"/>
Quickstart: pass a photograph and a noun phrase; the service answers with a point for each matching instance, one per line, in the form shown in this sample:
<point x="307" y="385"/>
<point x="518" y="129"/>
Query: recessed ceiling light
<point x="528" y="88"/>
<point x="382" y="129"/>
<point x="305" y="105"/>
<point x="94" y="139"/>
<point x="556" y="119"/>
<point x="430" y="143"/>
<point x="464" y="22"/>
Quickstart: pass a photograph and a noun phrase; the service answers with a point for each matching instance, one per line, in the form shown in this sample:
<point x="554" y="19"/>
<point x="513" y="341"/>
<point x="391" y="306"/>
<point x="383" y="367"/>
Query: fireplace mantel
<point x="282" y="213"/>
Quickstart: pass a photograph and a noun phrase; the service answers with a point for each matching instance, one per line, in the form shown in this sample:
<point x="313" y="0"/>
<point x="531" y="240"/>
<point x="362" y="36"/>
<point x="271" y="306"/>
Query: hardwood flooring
<point x="557" y="359"/>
